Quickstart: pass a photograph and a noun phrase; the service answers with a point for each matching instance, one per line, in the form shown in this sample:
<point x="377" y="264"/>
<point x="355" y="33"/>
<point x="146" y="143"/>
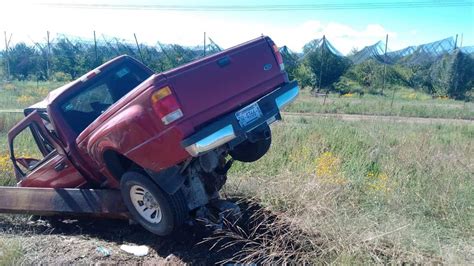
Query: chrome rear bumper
<point x="227" y="129"/>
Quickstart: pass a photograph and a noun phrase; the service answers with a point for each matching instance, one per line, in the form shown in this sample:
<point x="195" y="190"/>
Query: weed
<point x="10" y="252"/>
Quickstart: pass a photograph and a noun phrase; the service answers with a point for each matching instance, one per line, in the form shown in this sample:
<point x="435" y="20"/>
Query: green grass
<point x="10" y="252"/>
<point x="406" y="103"/>
<point x="7" y="121"/>
<point x="406" y="188"/>
<point x="21" y="94"/>
<point x="371" y="191"/>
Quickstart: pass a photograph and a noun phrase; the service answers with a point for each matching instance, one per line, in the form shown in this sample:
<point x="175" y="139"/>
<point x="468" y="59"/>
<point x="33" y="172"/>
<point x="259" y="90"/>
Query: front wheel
<point x="154" y="209"/>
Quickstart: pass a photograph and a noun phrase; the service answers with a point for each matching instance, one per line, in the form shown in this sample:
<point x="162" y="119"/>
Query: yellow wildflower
<point x="25" y="99"/>
<point x="328" y="169"/>
<point x="378" y="181"/>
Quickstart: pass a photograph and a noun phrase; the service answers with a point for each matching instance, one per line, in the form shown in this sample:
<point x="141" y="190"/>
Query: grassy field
<point x="374" y="192"/>
<point x="407" y="102"/>
<point x="357" y="192"/>
<point x="21" y="94"/>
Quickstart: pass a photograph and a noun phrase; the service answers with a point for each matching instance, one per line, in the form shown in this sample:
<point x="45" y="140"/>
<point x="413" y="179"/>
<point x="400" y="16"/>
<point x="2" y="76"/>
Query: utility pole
<point x="204" y="44"/>
<point x="456" y="42"/>
<point x="462" y="35"/>
<point x="385" y="63"/>
<point x="7" y="57"/>
<point x="138" y="47"/>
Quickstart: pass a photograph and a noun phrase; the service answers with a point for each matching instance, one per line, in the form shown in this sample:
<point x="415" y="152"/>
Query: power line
<point x="273" y="7"/>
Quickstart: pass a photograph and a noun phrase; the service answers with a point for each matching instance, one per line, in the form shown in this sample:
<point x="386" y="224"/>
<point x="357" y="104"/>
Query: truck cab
<point x="51" y="161"/>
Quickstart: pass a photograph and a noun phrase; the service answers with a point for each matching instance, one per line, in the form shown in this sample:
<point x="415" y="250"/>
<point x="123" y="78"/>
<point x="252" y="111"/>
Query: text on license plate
<point x="248" y="114"/>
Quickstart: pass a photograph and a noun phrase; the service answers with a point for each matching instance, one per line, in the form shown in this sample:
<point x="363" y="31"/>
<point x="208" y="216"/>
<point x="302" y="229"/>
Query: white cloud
<point x="27" y="24"/>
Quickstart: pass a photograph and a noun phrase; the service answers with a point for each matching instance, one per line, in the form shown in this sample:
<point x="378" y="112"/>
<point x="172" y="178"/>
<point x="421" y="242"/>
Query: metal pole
<point x="215" y="44"/>
<point x="384" y="63"/>
<point x="321" y="68"/>
<point x="204" y="43"/>
<point x="139" y="50"/>
<point x="166" y="54"/>
<point x="95" y="51"/>
<point x="7" y="58"/>
<point x="48" y="71"/>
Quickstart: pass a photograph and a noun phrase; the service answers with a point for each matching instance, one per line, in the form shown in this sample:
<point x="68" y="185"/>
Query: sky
<point x="28" y="20"/>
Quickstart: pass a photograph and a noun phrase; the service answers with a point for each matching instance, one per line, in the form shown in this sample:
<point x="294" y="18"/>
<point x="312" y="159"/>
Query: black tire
<point x="173" y="208"/>
<point x="251" y="151"/>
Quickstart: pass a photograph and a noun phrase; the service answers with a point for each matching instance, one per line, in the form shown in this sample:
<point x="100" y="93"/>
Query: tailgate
<point x="222" y="82"/>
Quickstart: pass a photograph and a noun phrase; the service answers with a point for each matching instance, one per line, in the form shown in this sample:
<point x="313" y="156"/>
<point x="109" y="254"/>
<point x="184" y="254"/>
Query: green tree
<point x="326" y="66"/>
<point x="69" y="58"/>
<point x="305" y="77"/>
<point x="453" y="75"/>
<point x="23" y="61"/>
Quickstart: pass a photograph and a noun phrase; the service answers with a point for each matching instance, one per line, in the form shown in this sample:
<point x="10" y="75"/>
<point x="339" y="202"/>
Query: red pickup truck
<point x="166" y="140"/>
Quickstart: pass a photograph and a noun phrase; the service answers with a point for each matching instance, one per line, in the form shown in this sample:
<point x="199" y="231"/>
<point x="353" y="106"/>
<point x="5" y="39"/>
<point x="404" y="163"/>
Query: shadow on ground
<point x="187" y="245"/>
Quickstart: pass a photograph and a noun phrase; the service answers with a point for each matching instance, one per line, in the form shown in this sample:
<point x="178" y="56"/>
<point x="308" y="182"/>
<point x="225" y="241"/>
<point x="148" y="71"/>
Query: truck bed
<point x="225" y="81"/>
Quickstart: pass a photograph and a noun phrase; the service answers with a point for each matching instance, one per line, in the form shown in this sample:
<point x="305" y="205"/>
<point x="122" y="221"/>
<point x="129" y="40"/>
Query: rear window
<point x="82" y="108"/>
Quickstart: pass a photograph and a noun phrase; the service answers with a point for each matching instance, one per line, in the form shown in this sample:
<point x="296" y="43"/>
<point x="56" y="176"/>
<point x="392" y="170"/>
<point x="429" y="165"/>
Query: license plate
<point x="248" y="114"/>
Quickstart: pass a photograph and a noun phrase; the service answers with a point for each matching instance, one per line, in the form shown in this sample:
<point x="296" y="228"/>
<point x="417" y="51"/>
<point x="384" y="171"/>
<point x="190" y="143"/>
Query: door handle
<point x="60" y="166"/>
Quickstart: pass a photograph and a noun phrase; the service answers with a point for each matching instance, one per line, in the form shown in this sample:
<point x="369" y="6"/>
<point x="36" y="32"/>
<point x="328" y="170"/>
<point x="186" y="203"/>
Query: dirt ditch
<point x="81" y="241"/>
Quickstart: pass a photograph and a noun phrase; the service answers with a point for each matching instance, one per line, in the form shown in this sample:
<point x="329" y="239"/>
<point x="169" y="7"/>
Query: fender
<point x="121" y="133"/>
<point x="125" y="133"/>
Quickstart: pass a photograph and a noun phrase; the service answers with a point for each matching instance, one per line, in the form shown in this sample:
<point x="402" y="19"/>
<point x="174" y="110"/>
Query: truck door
<point x="38" y="157"/>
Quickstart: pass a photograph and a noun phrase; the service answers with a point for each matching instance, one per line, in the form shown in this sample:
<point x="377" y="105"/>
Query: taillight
<point x="278" y="57"/>
<point x="166" y="106"/>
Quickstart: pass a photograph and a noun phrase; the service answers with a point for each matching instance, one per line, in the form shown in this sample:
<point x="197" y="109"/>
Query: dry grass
<point x="264" y="237"/>
<point x="376" y="192"/>
<point x="408" y="103"/>
<point x="10" y="252"/>
<point x="350" y="192"/>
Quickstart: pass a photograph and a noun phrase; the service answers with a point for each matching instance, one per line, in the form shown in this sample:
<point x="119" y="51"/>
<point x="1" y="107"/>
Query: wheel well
<point x="118" y="164"/>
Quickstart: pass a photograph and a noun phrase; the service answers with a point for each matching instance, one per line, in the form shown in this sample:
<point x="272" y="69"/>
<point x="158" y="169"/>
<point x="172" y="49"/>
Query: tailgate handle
<point x="224" y="61"/>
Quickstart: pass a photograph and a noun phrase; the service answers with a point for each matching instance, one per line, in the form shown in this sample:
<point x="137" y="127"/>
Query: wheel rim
<point x="145" y="204"/>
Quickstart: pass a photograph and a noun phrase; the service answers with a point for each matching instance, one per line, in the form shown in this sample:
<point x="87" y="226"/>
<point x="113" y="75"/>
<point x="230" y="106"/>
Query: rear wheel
<point x="154" y="209"/>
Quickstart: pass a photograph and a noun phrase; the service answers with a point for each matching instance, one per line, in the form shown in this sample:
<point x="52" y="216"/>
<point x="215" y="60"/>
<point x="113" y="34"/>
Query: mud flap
<point x="169" y="180"/>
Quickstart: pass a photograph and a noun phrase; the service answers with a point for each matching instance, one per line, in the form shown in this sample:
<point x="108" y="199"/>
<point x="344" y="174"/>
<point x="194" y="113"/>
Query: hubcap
<point x="145" y="204"/>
